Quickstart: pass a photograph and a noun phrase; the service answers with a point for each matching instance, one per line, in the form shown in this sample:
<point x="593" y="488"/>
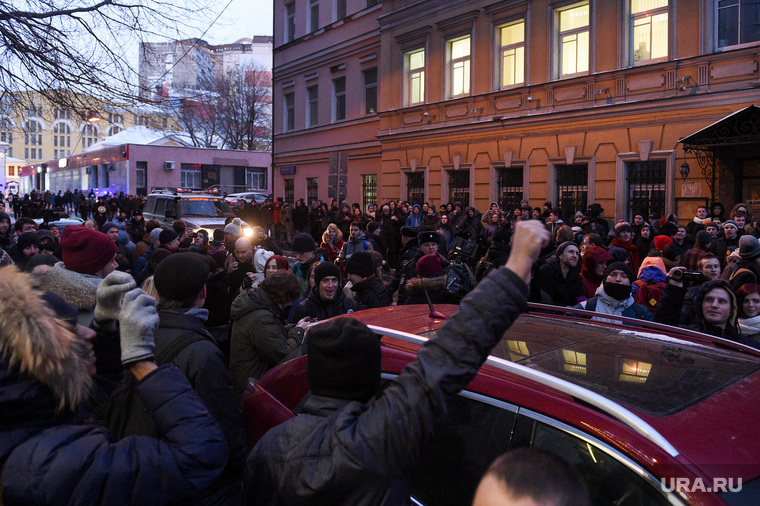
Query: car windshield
<point x="200" y="206"/>
<point x="651" y="373"/>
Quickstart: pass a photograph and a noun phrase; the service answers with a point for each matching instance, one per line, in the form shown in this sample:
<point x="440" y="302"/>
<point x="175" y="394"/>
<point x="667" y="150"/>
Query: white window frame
<point x="312" y="117"/>
<point x="338" y="96"/>
<point x="290" y="21"/>
<point x="517" y="48"/>
<point x="340" y="5"/>
<point x="643" y="15"/>
<point x="463" y="63"/>
<point x="414" y="74"/>
<point x="577" y="32"/>
<point x="369" y="88"/>
<point x="288" y="111"/>
<point x="313" y="21"/>
<point x="739" y="43"/>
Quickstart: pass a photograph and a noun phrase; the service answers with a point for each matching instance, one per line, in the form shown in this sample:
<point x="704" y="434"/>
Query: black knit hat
<point x="360" y="263"/>
<point x="28" y="239"/>
<point x="344" y="360"/>
<point x="167" y="237"/>
<point x="303" y="242"/>
<point x="325" y="270"/>
<point x="620" y="266"/>
<point x="181" y="276"/>
<point x="409" y="231"/>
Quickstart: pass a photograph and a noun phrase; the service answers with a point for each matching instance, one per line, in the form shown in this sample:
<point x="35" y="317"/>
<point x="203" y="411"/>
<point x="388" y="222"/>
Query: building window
<point x="313" y="15"/>
<point x="62" y="136"/>
<point x="290" y="21"/>
<point x="340" y="9"/>
<point x="415" y="187"/>
<point x="459" y="66"/>
<point x="738" y="22"/>
<point x="370" y="3"/>
<point x="572" y="189"/>
<point x="89" y="135"/>
<point x="459" y="186"/>
<point x="190" y="177"/>
<point x="370" y="91"/>
<point x="11" y="170"/>
<point x="31" y="111"/>
<point x="339" y="99"/>
<point x="256" y="178"/>
<point x="649" y="20"/>
<point x="6" y="108"/>
<point x="290" y="112"/>
<point x="646" y="187"/>
<point x="369" y="190"/>
<point x="573" y="39"/>
<point x="290" y="191"/>
<point x="415" y="80"/>
<point x="312" y="190"/>
<point x="312" y="106"/>
<point x="141" y="181"/>
<point x="512" y="53"/>
<point x="509" y="187"/>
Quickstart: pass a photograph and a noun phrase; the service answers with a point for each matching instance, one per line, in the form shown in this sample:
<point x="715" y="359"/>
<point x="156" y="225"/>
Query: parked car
<point x="249" y="197"/>
<point x="198" y="209"/>
<point x="649" y="415"/>
<point x="62" y="222"/>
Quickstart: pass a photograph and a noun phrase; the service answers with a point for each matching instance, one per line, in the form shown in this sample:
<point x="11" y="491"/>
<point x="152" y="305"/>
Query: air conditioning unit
<point x="169" y="165"/>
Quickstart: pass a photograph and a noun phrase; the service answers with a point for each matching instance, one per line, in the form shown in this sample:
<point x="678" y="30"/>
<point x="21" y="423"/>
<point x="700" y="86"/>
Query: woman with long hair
<point x="332" y="241"/>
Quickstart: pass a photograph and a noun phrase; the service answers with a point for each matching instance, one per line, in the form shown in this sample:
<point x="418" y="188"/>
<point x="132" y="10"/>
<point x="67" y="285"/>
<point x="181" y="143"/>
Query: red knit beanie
<point x="661" y="241"/>
<point x="429" y="266"/>
<point x="85" y="250"/>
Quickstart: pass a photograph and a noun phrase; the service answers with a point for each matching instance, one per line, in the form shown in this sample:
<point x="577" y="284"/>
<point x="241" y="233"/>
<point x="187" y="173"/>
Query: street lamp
<point x="684" y="170"/>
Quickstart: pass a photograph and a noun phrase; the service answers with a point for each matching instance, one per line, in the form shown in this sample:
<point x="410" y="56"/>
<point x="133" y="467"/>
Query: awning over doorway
<point x="741" y="127"/>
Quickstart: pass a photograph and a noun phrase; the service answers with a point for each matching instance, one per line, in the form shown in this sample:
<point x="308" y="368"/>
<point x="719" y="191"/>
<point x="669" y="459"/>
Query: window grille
<point x="369" y="190"/>
<point x="312" y="192"/>
<point x="572" y="189"/>
<point x="459" y="186"/>
<point x="290" y="191"/>
<point x="415" y="187"/>
<point x="646" y="187"/>
<point x="510" y="187"/>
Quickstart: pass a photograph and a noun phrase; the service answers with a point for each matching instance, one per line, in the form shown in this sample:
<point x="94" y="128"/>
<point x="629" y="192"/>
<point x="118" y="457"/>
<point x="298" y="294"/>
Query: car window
<point x="609" y="481"/>
<point x="452" y="463"/>
<point x="160" y="207"/>
<point x="199" y="206"/>
<point x="150" y="205"/>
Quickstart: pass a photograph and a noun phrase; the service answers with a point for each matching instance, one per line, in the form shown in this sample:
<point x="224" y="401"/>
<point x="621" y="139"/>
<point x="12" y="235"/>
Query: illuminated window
<point x="574" y="361"/>
<point x="650" y="29"/>
<point x="573" y="39"/>
<point x="518" y="350"/>
<point x="512" y="53"/>
<point x="459" y="66"/>
<point x="415" y="80"/>
<point x="634" y="371"/>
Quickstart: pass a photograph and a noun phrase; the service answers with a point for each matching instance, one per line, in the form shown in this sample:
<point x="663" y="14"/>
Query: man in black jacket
<point x="560" y="277"/>
<point x="343" y="449"/>
<point x="180" y="281"/>
<point x="326" y="299"/>
<point x="369" y="290"/>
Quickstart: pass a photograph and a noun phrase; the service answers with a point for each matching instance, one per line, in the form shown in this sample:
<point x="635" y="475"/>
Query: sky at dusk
<point x="243" y="18"/>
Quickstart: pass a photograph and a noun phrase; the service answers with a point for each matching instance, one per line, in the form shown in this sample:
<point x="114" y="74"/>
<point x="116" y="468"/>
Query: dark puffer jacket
<point x="435" y="287"/>
<point x="563" y="291"/>
<point x="259" y="338"/>
<point x="321" y="309"/>
<point x="346" y="452"/>
<point x="60" y="459"/>
<point x="371" y="293"/>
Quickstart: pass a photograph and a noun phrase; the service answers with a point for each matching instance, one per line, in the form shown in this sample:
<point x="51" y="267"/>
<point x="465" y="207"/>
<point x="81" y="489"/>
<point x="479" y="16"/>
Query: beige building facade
<point x="568" y="102"/>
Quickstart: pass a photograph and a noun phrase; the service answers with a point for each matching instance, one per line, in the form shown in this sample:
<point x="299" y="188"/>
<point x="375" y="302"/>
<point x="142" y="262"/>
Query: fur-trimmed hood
<point x="418" y="285"/>
<point x="35" y="345"/>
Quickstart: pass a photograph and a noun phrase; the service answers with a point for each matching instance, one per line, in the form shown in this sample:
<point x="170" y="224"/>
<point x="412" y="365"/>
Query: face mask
<point x="617" y="291"/>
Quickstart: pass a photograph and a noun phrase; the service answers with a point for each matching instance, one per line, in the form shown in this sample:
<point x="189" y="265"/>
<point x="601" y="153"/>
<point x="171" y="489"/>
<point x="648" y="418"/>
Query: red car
<point x="648" y="414"/>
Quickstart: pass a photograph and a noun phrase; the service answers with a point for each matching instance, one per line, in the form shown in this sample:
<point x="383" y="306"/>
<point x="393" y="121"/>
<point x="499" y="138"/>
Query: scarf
<point x="750" y="326"/>
<point x="608" y="305"/>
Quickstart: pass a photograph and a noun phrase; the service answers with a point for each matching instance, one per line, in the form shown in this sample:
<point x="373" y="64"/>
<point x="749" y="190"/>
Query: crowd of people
<point x="191" y="317"/>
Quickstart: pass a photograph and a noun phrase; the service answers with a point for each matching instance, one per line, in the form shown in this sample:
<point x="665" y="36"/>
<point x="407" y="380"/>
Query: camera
<point x="686" y="276"/>
<point x="247" y="283"/>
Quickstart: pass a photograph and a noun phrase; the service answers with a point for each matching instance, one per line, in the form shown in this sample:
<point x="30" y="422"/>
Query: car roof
<point x="677" y="383"/>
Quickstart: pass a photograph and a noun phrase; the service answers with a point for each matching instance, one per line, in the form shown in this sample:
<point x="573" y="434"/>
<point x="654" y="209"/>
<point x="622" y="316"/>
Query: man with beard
<point x="730" y="239"/>
<point x="560" y="278"/>
<point x="239" y="266"/>
<point x="326" y="299"/>
<point x="614" y="297"/>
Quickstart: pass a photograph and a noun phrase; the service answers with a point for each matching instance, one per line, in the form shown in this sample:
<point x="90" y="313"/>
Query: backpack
<point x="459" y="280"/>
<point x="649" y="294"/>
<point x="123" y="412"/>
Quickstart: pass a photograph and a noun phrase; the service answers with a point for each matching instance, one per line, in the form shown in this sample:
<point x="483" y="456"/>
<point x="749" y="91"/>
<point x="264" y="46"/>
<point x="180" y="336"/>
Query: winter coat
<point x="51" y="455"/>
<point x="352" y="246"/>
<point x="414" y="219"/>
<point x="300" y="217"/>
<point x="408" y="271"/>
<point x="202" y="362"/>
<point x="259" y="338"/>
<point x="435" y="287"/>
<point x="592" y="257"/>
<point x="605" y="304"/>
<point x="371" y="293"/>
<point x="332" y="249"/>
<point x="634" y="261"/>
<point x="564" y="291"/>
<point x="347" y="452"/>
<point x="321" y="309"/>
